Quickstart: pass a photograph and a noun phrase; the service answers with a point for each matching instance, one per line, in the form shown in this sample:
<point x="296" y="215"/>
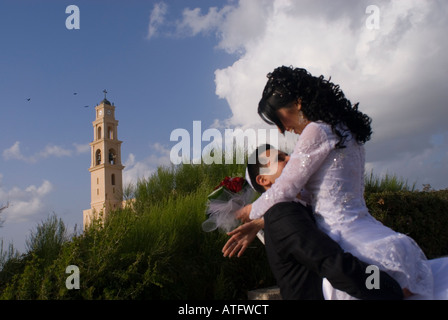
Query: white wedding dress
<point x="332" y="181"/>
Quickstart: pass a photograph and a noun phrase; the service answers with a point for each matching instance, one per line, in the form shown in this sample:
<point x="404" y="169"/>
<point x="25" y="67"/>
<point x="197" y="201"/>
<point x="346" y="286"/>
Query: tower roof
<point x="105" y="101"/>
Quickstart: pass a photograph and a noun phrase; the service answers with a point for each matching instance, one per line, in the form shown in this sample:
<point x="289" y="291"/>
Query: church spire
<point x="106" y="169"/>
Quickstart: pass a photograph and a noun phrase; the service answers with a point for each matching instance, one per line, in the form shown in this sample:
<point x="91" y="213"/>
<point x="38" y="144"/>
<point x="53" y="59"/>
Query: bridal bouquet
<point x="228" y="197"/>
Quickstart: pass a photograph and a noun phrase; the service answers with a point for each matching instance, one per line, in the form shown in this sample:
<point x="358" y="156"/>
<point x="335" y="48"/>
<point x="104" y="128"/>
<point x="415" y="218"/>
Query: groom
<point x="299" y="254"/>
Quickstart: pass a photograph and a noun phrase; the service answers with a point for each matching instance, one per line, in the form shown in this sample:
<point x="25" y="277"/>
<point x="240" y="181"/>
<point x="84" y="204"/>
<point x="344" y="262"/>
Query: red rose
<point x="235" y="184"/>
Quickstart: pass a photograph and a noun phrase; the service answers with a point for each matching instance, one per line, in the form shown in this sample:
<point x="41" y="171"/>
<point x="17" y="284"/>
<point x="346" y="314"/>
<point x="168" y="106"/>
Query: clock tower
<point x="106" y="178"/>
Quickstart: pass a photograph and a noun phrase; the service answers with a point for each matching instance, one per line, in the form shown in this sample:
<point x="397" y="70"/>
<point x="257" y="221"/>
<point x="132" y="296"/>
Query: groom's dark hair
<point x="254" y="165"/>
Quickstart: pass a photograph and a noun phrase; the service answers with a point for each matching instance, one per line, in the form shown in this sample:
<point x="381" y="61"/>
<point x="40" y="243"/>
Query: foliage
<point x="421" y="215"/>
<point x="46" y="241"/>
<point x="154" y="247"/>
<point x="392" y="183"/>
<point x="11" y="263"/>
<point x="1" y="209"/>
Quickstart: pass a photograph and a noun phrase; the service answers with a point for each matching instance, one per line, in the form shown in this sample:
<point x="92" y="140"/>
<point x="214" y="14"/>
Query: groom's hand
<point x="241" y="238"/>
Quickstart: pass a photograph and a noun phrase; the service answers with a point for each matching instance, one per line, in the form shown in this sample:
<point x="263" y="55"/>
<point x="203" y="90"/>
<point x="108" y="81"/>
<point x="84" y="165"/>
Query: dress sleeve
<point x="312" y="148"/>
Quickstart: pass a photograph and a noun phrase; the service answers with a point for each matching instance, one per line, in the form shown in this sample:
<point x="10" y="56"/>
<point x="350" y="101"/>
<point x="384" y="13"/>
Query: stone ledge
<point x="271" y="293"/>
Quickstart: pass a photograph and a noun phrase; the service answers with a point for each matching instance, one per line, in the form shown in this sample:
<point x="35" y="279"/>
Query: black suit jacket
<point x="301" y="255"/>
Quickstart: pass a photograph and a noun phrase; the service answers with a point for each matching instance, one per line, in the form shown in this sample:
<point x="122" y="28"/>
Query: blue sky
<point x="167" y="63"/>
<point x="157" y="85"/>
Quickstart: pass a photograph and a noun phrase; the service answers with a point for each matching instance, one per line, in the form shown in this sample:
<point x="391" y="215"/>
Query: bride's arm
<point x="309" y="153"/>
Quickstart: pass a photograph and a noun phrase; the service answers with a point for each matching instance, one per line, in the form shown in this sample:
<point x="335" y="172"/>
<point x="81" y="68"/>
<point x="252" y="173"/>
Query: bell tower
<point x="106" y="178"/>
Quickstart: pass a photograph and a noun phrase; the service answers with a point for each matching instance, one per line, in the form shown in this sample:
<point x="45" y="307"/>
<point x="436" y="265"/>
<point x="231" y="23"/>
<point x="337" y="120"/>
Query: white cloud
<point x="138" y="170"/>
<point x="193" y="22"/>
<point x="397" y="72"/>
<point x="326" y="37"/>
<point x="156" y="18"/>
<point x="52" y="150"/>
<point x="81" y="148"/>
<point x="25" y="203"/>
<point x="234" y="26"/>
<point x="15" y="153"/>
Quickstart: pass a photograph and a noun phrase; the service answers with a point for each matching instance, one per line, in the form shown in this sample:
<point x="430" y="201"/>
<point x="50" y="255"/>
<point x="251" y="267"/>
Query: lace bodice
<point x="332" y="180"/>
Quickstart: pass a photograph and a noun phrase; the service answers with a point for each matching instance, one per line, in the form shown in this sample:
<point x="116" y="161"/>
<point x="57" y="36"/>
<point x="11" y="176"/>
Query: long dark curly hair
<point x="320" y="100"/>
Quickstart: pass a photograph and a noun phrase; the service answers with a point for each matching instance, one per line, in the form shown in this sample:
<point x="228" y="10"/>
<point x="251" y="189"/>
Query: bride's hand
<point x="242" y="237"/>
<point x="243" y="213"/>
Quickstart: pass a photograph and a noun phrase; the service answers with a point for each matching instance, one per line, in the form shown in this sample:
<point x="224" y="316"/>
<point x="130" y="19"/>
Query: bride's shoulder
<point x="319" y="126"/>
<point x="320" y="132"/>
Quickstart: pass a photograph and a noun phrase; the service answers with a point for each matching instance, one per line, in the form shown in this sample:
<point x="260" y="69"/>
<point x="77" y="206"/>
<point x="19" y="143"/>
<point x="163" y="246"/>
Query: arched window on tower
<point x="98" y="157"/>
<point x="99" y="133"/>
<point x="112" y="156"/>
<point x="110" y="133"/>
<point x="113" y="179"/>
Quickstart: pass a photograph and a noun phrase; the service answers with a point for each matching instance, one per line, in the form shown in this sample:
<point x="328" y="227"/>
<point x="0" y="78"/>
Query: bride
<point x="327" y="164"/>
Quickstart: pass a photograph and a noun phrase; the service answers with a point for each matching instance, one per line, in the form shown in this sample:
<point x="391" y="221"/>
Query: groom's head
<point x="264" y="166"/>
